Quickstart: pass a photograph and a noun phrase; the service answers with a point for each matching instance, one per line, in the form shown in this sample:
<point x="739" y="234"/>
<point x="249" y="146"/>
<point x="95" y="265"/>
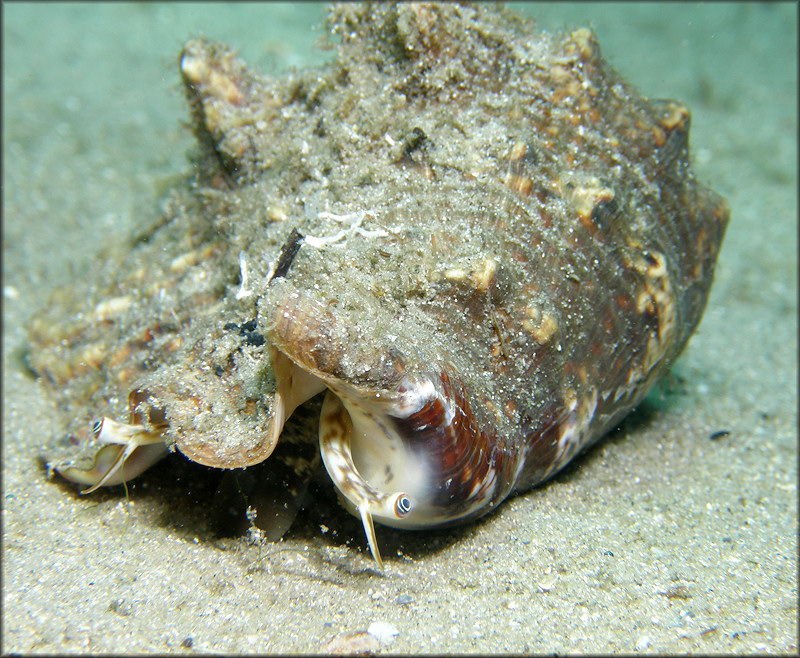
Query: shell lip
<point x="423" y="441"/>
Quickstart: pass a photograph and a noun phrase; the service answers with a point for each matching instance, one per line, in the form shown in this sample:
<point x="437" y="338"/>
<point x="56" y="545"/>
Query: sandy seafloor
<point x="657" y="540"/>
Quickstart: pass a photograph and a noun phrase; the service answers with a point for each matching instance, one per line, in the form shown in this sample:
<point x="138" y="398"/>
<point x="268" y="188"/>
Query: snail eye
<point x="98" y="425"/>
<point x="402" y="506"/>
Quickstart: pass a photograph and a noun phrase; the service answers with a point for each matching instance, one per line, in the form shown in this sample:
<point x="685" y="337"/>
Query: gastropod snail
<point x="477" y="241"/>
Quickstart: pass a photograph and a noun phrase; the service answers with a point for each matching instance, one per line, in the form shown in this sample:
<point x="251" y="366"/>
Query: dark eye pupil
<point x="402" y="506"/>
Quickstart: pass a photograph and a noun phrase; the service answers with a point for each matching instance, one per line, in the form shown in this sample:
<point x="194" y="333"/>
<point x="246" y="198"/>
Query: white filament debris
<point x="243" y="270"/>
<point x="353" y="220"/>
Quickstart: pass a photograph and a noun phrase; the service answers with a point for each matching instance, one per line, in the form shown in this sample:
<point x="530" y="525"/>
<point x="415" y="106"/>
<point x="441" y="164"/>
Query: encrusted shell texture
<point x="456" y="201"/>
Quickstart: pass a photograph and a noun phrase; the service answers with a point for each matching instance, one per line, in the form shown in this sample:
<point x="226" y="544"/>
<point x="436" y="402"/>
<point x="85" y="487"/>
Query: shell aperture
<point x="335" y="439"/>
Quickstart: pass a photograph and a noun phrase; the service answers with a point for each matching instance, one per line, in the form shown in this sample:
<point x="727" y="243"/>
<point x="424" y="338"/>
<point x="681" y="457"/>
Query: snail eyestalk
<point x="129" y="450"/>
<point x="335" y="431"/>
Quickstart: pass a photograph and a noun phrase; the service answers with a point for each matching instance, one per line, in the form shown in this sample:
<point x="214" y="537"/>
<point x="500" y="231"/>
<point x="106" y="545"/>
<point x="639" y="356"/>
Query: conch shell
<point x="479" y="242"/>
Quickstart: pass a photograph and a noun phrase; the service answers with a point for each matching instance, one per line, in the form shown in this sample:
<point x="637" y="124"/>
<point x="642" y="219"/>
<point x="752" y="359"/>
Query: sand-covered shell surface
<point x="458" y="254"/>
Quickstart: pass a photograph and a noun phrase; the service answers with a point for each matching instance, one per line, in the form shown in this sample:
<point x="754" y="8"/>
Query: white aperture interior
<point x="382" y="458"/>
